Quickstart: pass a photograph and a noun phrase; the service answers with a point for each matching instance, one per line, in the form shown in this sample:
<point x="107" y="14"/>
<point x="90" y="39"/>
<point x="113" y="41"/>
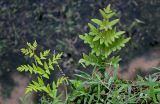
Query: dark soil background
<point x="56" y="24"/>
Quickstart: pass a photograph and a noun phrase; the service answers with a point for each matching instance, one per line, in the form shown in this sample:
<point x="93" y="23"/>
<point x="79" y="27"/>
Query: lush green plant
<point x="42" y="66"/>
<point x="104" y="39"/>
<point x="95" y="89"/>
<point x="98" y="91"/>
<point x="108" y="90"/>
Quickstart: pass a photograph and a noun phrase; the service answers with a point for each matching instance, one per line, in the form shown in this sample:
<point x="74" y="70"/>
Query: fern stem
<point x="65" y="85"/>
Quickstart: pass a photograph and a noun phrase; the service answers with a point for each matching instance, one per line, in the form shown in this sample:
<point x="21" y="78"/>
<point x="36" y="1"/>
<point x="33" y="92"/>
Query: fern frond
<point x="103" y="38"/>
<point x="38" y="86"/>
<point x="29" y="51"/>
<point x="46" y="52"/>
<point x="87" y="38"/>
<point x="43" y="64"/>
<point x="38" y="60"/>
<point x="90" y="60"/>
<point x="26" y="68"/>
<point x="35" y="45"/>
<point x="34" y="86"/>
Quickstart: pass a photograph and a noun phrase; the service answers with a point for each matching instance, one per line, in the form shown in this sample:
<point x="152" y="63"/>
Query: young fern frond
<point x="42" y="66"/>
<point x="36" y="86"/>
<point x="44" y="54"/>
<point x="104" y="39"/>
<point x="29" y="50"/>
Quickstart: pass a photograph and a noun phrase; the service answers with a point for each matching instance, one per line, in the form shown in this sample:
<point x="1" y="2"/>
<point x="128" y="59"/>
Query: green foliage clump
<point x="42" y="66"/>
<point x="95" y="90"/>
<point x="104" y="39"/>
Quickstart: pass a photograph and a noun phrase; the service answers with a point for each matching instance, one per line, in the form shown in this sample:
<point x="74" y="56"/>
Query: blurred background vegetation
<point x="56" y="24"/>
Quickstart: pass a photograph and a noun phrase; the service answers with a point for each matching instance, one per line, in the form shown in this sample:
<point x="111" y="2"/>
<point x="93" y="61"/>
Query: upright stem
<point x="61" y="71"/>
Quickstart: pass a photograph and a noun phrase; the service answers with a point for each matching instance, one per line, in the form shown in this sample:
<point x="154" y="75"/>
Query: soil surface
<point x="18" y="91"/>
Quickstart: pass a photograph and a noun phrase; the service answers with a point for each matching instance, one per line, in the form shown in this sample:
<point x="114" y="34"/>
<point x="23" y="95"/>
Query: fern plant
<point x="42" y="66"/>
<point x="103" y="39"/>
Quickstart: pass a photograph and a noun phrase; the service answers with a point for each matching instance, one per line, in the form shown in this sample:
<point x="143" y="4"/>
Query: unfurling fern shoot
<point x="104" y="39"/>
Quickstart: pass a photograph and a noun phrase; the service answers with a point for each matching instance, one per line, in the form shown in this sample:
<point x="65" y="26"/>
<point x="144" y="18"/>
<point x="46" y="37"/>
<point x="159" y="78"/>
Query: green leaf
<point x="40" y="70"/>
<point x="31" y="54"/>
<point x="104" y="15"/>
<point x="50" y="64"/>
<point x="46" y="52"/>
<point x="35" y="44"/>
<point x="96" y="38"/>
<point x="40" y="81"/>
<point x="38" y="60"/>
<point x="92" y="28"/>
<point x="58" y="56"/>
<point x="110" y="15"/>
<point x="97" y="21"/>
<point x="49" y="88"/>
<point x="25" y="51"/>
<point x="119" y="34"/>
<point x="108" y="9"/>
<point x="46" y="68"/>
<point x="46" y="76"/>
<point x="42" y="56"/>
<point x="113" y="22"/>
